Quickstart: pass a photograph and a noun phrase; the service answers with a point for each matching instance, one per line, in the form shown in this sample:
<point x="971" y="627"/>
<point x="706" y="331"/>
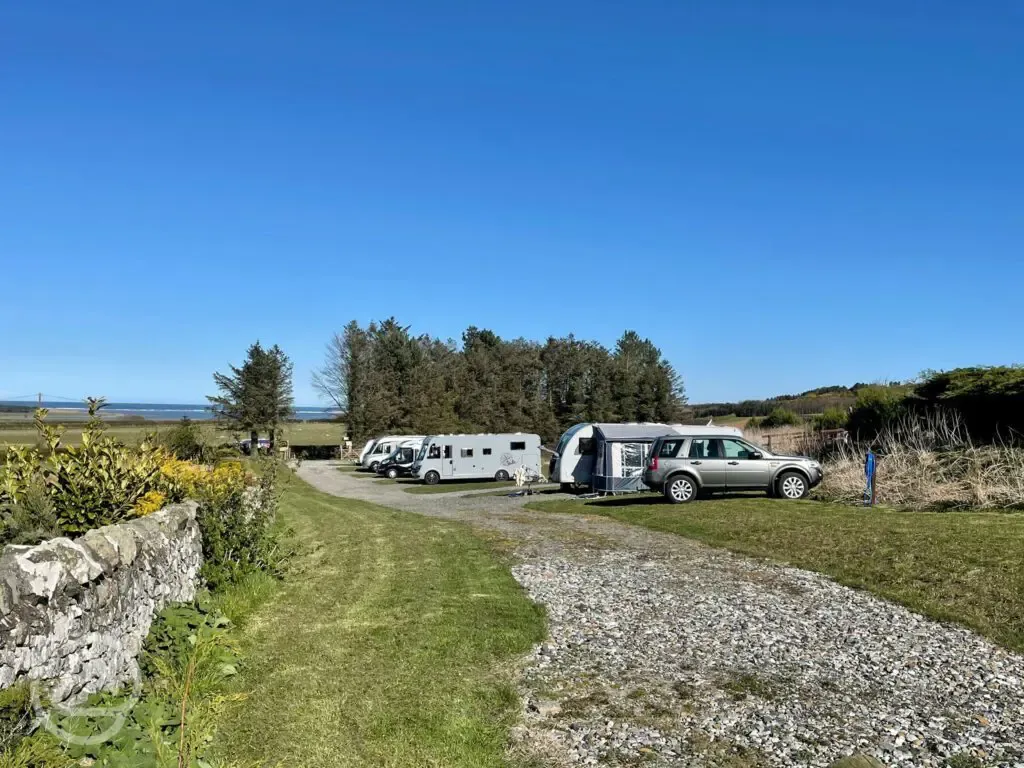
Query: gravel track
<point x="666" y="651"/>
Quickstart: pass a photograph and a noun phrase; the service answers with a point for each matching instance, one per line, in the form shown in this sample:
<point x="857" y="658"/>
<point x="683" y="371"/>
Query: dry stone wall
<point x="74" y="614"/>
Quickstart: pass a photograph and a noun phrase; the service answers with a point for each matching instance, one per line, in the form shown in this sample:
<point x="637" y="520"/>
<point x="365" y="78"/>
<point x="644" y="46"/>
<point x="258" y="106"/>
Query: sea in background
<point x="157" y="411"/>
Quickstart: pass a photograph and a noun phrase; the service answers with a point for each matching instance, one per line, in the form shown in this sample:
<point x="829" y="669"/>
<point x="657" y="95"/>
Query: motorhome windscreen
<point x="423" y="451"/>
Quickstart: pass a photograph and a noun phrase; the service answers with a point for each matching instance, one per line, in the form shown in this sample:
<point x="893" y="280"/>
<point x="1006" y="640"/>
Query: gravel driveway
<point x="665" y="651"/>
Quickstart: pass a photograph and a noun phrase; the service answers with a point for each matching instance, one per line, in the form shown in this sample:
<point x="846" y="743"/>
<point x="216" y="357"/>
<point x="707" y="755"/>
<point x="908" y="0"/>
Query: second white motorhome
<point x="382" y="448"/>
<point x="367" y="447"/>
<point x="479" y="457"/>
<point x="572" y="466"/>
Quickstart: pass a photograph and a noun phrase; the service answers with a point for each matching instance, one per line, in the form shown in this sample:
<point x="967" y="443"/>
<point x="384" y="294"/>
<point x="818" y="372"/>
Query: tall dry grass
<point x="930" y="462"/>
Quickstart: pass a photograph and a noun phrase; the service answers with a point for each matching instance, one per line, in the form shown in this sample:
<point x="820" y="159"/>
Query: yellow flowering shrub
<point x="185" y="480"/>
<point x="149" y="503"/>
<point x="182" y="479"/>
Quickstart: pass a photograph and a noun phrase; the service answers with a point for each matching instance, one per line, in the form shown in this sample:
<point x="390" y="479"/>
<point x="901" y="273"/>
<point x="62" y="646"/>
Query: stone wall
<point x="74" y="614"/>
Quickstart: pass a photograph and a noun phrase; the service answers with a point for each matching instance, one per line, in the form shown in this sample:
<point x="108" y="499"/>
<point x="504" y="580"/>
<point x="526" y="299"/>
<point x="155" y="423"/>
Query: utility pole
<point x="40" y="399"/>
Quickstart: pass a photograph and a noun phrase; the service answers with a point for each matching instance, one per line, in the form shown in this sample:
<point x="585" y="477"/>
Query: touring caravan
<point x="611" y="457"/>
<point x="399" y="462"/>
<point x="382" y="448"/>
<point x="480" y="457"/>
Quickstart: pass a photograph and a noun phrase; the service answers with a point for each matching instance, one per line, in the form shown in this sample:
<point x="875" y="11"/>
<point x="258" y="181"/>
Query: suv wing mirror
<point x="757" y="455"/>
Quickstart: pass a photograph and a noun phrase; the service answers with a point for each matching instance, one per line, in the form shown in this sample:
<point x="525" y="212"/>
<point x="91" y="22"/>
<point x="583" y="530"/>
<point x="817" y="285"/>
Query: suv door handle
<point x="734" y="462"/>
<point x="696" y="462"/>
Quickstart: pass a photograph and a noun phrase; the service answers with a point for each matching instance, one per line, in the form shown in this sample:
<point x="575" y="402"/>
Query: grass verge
<point x="964" y="567"/>
<point x="389" y="648"/>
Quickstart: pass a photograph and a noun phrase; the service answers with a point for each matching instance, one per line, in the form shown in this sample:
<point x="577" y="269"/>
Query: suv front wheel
<point x="791" y="485"/>
<point x="680" y="489"/>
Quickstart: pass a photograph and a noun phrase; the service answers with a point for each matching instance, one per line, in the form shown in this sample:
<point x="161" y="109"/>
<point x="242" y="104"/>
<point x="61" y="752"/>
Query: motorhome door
<point x="448" y="462"/>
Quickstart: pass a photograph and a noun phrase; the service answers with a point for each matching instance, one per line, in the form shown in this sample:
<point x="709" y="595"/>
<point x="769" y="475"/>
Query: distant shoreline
<point x="21" y="412"/>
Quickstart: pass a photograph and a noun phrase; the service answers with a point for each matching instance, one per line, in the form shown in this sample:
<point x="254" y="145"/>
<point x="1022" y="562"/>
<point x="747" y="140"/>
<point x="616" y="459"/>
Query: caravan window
<point x="517" y="446"/>
<point x="487" y="451"/>
<point x="435" y="452"/>
<point x="467" y="453"/>
<point x="586" y="446"/>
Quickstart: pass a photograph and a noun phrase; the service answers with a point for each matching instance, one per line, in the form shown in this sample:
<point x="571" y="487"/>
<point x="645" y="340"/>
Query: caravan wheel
<point x="501" y="476"/>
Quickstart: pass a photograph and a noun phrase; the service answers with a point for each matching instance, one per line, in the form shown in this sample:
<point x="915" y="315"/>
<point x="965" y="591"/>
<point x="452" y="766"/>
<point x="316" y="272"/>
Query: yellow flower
<point x="150" y="503"/>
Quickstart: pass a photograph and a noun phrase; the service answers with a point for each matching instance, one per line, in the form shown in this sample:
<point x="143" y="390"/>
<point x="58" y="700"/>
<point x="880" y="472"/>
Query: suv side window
<point x="734" y="449"/>
<point x="702" y="448"/>
<point x="669" y="448"/>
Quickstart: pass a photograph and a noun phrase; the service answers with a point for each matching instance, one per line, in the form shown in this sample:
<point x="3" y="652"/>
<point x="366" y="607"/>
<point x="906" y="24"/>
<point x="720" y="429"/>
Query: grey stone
<point x="74" y="614"/>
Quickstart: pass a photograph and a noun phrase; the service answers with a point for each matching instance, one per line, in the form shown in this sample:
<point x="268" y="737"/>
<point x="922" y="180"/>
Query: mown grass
<point x="965" y="567"/>
<point x="390" y="647"/>
<point x="299" y="433"/>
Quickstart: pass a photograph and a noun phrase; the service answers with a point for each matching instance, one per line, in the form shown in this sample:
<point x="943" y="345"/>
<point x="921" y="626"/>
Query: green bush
<point x="99" y="482"/>
<point x="29" y="520"/>
<point x="877" y="408"/>
<point x="780" y="417"/>
<point x="989" y="400"/>
<point x="185" y="441"/>
<point x="237" y="520"/>
<point x="831" y="418"/>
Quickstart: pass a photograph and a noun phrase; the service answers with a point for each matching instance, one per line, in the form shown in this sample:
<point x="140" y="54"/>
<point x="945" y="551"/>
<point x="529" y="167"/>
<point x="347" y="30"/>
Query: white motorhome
<point x="572" y="466"/>
<point x="367" y="447"/>
<point x="382" y="448"/>
<point x="480" y="457"/>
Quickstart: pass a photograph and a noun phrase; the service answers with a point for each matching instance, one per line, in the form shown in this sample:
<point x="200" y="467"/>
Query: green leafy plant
<point x="237" y="520"/>
<point x="831" y="418"/>
<point x="100" y="481"/>
<point x="780" y="417"/>
<point x="185" y="441"/>
<point x="187" y="660"/>
<point x="30" y="519"/>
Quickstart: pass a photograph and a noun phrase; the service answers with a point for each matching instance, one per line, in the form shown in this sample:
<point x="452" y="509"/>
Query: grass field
<point x="966" y="567"/>
<point x="390" y="647"/>
<point x="297" y="433"/>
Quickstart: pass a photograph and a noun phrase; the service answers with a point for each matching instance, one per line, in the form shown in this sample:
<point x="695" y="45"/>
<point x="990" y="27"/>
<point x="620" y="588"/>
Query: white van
<point x="476" y="457"/>
<point x="382" y="448"/>
<point x="572" y="466"/>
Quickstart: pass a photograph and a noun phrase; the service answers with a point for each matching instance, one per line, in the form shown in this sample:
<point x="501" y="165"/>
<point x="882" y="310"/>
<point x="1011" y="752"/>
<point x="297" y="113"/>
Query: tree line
<point x="388" y="380"/>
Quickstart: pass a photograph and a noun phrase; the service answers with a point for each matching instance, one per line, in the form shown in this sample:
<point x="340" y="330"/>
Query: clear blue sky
<point x="781" y="195"/>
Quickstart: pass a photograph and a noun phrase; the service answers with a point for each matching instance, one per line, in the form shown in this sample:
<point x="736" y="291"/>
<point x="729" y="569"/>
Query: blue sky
<point x="781" y="195"/>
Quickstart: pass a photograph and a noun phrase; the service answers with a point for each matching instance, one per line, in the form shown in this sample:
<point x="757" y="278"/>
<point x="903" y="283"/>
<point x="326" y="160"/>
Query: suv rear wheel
<point x="791" y="485"/>
<point x="680" y="489"/>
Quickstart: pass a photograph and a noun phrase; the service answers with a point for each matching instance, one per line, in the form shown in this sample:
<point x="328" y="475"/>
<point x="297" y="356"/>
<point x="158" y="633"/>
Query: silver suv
<point x="683" y="467"/>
